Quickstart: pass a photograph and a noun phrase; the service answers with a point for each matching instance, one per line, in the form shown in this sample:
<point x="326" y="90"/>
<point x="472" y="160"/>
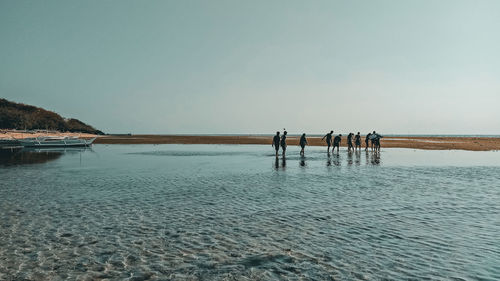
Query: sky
<point x="255" y="67"/>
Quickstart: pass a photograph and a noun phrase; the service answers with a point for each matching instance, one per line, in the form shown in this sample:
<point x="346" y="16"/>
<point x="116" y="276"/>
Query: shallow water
<point x="223" y="212"/>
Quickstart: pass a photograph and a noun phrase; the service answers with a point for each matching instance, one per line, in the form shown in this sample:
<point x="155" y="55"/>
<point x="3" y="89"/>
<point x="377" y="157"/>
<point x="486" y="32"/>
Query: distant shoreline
<point x="477" y="143"/>
<point x="429" y="143"/>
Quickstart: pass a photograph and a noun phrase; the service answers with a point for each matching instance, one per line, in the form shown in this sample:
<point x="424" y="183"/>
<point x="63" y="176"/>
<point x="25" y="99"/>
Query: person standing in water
<point x="276" y="142"/>
<point x="328" y="140"/>
<point x="367" y="139"/>
<point x="357" y="141"/>
<point x="376" y="141"/>
<point x="303" y="143"/>
<point x="336" y="142"/>
<point x="283" y="142"/>
<point x="372" y="138"/>
<point x="349" y="142"/>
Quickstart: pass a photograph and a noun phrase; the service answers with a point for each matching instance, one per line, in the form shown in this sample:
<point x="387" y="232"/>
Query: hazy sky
<point x="257" y="66"/>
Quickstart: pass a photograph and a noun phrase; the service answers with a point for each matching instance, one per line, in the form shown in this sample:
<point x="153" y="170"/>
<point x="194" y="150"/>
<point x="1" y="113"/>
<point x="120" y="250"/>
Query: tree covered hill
<point x="27" y="117"/>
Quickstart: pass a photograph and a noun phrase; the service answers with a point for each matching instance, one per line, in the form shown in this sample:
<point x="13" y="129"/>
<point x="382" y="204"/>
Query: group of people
<point x="334" y="142"/>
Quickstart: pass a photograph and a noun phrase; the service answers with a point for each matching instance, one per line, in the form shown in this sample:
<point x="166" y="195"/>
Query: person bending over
<point x="336" y="142"/>
<point x="328" y="140"/>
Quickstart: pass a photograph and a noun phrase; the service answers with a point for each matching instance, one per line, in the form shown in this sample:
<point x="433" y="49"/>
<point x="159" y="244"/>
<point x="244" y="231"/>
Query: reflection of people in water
<point x="277" y="163"/>
<point x="302" y="143"/>
<point x="276" y="142"/>
<point x="328" y="140"/>
<point x="336" y="159"/>
<point x="375" y="158"/>
<point x="372" y="158"/>
<point x="357" y="161"/>
<point x="357" y="141"/>
<point x="283" y="142"/>
<point x="336" y="142"/>
<point x="302" y="161"/>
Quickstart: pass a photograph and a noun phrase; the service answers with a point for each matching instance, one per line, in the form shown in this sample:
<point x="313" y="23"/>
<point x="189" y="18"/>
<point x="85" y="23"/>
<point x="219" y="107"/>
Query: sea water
<point x="227" y="212"/>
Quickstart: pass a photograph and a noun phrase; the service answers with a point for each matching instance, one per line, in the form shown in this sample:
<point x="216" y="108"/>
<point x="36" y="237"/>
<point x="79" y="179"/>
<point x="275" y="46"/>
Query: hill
<point x="27" y="117"/>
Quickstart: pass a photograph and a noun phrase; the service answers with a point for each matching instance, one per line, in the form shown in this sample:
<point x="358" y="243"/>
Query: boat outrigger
<point x="40" y="142"/>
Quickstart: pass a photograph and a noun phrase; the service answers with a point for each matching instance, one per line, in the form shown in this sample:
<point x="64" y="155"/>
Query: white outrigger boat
<point x="40" y="142"/>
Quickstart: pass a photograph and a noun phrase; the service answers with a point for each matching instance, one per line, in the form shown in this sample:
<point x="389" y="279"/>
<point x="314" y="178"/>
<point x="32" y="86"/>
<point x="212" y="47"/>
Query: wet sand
<point x="430" y="143"/>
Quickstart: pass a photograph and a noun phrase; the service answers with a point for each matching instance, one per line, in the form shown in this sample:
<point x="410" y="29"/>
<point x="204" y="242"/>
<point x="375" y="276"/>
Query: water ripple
<point x="139" y="217"/>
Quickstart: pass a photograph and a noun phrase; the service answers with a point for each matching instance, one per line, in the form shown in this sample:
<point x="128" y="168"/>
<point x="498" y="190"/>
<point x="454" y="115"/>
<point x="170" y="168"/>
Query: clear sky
<point x="257" y="66"/>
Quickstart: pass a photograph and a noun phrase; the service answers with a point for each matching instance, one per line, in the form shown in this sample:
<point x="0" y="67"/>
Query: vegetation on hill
<point x="27" y="117"/>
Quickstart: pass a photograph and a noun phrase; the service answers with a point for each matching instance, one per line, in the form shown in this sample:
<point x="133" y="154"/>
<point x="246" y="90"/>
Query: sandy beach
<point x="5" y="134"/>
<point x="431" y="143"/>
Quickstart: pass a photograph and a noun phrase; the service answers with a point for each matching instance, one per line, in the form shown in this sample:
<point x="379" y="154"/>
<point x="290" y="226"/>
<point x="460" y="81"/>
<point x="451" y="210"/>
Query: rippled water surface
<point x="215" y="212"/>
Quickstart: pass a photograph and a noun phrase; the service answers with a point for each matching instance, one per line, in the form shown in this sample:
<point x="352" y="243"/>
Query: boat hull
<point x="35" y="143"/>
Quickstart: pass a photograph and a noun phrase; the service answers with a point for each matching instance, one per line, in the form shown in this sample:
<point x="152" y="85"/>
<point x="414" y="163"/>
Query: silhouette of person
<point x="367" y="139"/>
<point x="349" y="142"/>
<point x="328" y="140"/>
<point x="283" y="142"/>
<point x="357" y="141"/>
<point x="376" y="141"/>
<point x="276" y="142"/>
<point x="372" y="138"/>
<point x="302" y="143"/>
<point x="336" y="142"/>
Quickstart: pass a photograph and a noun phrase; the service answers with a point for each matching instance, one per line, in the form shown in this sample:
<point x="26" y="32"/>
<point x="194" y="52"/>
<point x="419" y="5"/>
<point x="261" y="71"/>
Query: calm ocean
<point x="229" y="212"/>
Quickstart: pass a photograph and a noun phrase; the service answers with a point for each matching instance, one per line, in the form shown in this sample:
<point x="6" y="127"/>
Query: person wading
<point x="367" y="139"/>
<point x="357" y="141"/>
<point x="328" y="140"/>
<point x="373" y="136"/>
<point x="283" y="142"/>
<point x="336" y="143"/>
<point x="302" y="143"/>
<point x="349" y="142"/>
<point x="276" y="142"/>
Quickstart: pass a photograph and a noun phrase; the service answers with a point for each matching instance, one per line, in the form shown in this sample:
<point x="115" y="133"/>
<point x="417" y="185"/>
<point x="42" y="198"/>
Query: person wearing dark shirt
<point x="276" y="143"/>
<point x="303" y="143"/>
<point x="349" y="142"/>
<point x="367" y="139"/>
<point x="328" y="140"/>
<point x="283" y="142"/>
<point x="357" y="141"/>
<point x="336" y="142"/>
